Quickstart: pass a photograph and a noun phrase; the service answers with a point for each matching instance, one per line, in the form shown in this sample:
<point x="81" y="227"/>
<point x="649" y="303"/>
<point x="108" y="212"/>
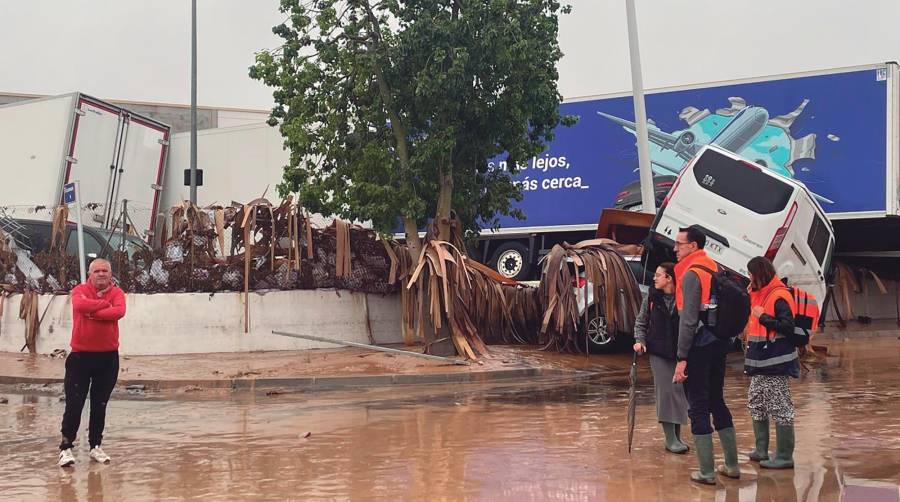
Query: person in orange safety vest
<point x="771" y="359"/>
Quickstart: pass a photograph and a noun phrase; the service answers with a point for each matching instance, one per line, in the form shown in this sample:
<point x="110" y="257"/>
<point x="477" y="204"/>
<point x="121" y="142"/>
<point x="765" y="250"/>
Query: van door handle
<point x="799" y="256"/>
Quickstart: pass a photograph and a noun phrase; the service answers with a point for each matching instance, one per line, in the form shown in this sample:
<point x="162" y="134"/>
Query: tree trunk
<point x="413" y="242"/>
<point x="442" y="218"/>
<point x="439" y="343"/>
<point x="398" y="129"/>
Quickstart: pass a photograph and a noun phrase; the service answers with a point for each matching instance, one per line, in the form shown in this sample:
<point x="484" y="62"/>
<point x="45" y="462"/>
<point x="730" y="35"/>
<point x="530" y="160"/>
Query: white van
<point x="746" y="210"/>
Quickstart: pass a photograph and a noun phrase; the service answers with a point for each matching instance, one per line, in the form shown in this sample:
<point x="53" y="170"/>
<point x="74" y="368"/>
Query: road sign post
<point x="71" y="195"/>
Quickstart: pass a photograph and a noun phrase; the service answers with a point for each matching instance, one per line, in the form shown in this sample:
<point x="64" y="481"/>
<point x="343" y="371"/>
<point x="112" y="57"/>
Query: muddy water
<point x="553" y="441"/>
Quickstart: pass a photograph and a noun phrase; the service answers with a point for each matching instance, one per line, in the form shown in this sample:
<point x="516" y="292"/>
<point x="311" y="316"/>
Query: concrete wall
<point x="177" y="117"/>
<point x="232" y="118"/>
<point x="199" y="322"/>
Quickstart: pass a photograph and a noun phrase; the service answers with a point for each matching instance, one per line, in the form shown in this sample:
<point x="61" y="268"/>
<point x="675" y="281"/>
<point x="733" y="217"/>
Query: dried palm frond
<point x="58" y="229"/>
<point x="605" y="271"/>
<point x="28" y="311"/>
<point x="445" y="288"/>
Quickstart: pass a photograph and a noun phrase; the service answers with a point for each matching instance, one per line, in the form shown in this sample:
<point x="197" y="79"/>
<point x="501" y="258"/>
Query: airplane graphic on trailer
<point x="744" y="129"/>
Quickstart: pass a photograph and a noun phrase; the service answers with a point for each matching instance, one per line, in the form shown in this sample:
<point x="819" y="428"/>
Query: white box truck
<point x="116" y="155"/>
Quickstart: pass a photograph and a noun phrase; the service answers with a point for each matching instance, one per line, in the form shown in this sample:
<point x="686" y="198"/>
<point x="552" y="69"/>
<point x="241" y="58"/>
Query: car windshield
<point x="132" y="243"/>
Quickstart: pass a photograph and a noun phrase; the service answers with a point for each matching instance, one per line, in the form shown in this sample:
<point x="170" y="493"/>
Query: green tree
<point x="391" y="109"/>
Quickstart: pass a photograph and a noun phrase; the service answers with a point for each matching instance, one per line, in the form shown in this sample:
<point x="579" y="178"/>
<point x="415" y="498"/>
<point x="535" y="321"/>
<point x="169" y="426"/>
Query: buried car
<point x="36" y="235"/>
<point x="594" y="328"/>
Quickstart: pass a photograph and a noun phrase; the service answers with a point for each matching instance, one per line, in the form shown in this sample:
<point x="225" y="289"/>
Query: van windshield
<point x="741" y="183"/>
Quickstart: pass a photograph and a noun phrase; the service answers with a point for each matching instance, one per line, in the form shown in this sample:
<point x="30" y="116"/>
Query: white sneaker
<point x="97" y="455"/>
<point x="66" y="457"/>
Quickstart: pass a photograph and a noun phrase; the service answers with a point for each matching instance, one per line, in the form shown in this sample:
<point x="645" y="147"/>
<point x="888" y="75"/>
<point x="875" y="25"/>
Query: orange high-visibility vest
<point x="698" y="257"/>
<point x="807" y="305"/>
<point x="755" y="330"/>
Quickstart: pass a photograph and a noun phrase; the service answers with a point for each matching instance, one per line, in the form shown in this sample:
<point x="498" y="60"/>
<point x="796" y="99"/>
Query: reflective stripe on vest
<point x="772" y="361"/>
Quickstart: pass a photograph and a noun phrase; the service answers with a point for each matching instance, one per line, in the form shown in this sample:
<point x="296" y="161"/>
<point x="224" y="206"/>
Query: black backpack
<point x="732" y="305"/>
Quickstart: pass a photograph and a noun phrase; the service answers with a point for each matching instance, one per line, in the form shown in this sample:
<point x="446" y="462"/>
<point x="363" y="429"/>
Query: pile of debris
<point x="600" y="272"/>
<point x="45" y="271"/>
<point x="449" y="297"/>
<point x="271" y="248"/>
<point x="446" y="296"/>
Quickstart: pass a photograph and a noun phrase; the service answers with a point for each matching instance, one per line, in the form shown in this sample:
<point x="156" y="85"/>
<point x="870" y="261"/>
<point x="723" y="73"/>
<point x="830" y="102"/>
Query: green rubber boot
<point x="703" y="444"/>
<point x="784" y="449"/>
<point x="729" y="447"/>
<point x="761" y="431"/>
<point x="678" y="437"/>
<point x="672" y="443"/>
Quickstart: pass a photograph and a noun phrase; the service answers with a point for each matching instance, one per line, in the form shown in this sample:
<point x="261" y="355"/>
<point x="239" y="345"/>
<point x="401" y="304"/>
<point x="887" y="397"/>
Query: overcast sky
<point x="140" y="50"/>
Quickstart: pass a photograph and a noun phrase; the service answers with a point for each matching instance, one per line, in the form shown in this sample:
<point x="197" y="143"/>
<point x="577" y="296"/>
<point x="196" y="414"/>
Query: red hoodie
<point x="95" y="318"/>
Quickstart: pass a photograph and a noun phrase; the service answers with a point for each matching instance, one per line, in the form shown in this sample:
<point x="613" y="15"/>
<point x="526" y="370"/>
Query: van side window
<point x="818" y="239"/>
<point x="742" y="184"/>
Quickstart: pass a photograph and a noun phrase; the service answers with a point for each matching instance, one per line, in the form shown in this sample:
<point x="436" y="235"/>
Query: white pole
<point x="648" y="193"/>
<point x="193" y="101"/>
<point x="80" y="231"/>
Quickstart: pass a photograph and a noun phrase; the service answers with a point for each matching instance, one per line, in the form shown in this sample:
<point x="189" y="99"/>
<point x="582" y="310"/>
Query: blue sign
<point x="828" y="131"/>
<point x="69" y="193"/>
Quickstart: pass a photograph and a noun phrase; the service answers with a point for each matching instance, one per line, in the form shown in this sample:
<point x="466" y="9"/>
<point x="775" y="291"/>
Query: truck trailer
<point x="114" y="154"/>
<point x="835" y="131"/>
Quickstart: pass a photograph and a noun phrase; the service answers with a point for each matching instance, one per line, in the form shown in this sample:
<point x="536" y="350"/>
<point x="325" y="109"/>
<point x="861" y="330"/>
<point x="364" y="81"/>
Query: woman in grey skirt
<point x="656" y="332"/>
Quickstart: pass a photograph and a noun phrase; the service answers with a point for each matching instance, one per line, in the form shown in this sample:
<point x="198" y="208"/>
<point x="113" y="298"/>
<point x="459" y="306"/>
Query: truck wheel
<point x="511" y="260"/>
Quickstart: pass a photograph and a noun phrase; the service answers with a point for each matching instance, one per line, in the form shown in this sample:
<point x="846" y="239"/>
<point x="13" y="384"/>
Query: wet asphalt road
<point x="561" y="440"/>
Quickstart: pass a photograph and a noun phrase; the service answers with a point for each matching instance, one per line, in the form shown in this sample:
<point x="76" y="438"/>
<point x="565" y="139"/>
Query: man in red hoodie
<point x="93" y="366"/>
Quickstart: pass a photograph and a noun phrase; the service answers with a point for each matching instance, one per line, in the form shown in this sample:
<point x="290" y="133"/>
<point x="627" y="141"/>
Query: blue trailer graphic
<point x="829" y="131"/>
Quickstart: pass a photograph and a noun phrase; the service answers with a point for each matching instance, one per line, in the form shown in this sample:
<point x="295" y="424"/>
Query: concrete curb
<point x="333" y="382"/>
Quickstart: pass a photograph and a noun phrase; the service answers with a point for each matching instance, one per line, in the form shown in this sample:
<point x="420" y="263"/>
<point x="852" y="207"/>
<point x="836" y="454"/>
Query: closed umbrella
<point x="632" y="399"/>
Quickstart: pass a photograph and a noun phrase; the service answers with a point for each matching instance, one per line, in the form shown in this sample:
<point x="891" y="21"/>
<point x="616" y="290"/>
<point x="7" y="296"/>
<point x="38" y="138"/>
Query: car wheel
<point x="596" y="333"/>
<point x="511" y="260"/>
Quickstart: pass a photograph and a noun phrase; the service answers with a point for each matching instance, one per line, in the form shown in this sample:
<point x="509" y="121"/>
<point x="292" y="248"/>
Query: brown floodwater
<point x="518" y="441"/>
